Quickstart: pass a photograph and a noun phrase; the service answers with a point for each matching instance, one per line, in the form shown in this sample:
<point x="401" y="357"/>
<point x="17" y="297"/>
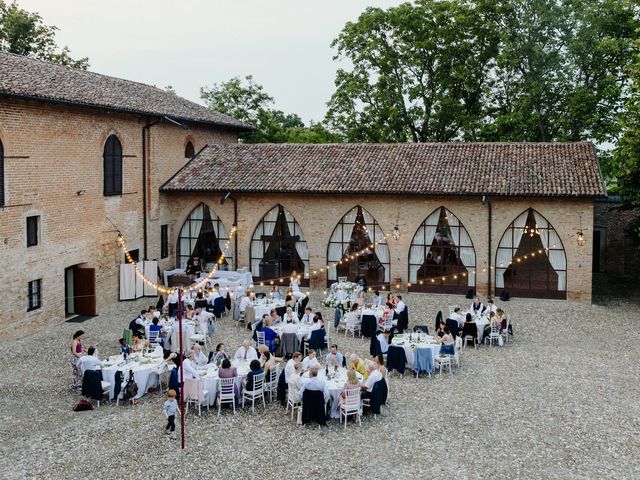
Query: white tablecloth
<point x="303" y="331"/>
<point x="425" y="341"/>
<point x="143" y="374"/>
<point x="210" y="379"/>
<point x="265" y="308"/>
<point x="335" y="386"/>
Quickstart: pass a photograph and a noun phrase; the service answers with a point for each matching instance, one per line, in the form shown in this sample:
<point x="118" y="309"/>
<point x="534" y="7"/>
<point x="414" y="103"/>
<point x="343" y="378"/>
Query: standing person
<point x="77" y="351"/>
<point x="172" y="301"/>
<point x="170" y="408"/>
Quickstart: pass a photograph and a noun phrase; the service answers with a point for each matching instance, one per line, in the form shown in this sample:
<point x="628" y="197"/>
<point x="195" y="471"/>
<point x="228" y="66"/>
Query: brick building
<point x="81" y="152"/>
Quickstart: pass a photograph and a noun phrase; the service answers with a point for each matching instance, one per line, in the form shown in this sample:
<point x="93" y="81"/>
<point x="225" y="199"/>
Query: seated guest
<point x="351" y="317"/>
<point x="334" y="358"/>
<point x="491" y="307"/>
<point x="89" y="361"/>
<point x="500" y="315"/>
<point x="275" y="294"/>
<point x="447" y="342"/>
<point x="189" y="365"/>
<point x="383" y="339"/>
<point x="295" y="383"/>
<point x="270" y="336"/>
<point x="440" y="332"/>
<point x="457" y="316"/>
<point x="267" y="361"/>
<point x="375" y="375"/>
<point x="379" y="361"/>
<point x="219" y="355"/>
<point x="246" y="352"/>
<point x="400" y="306"/>
<point x="155" y="327"/>
<point x="124" y="348"/>
<point x="391" y="302"/>
<point x="275" y="318"/>
<point x="138" y="343"/>
<point x="246" y="301"/>
<point x="317" y="323"/>
<point x="200" y="358"/>
<point x="254" y="369"/>
<point x="137" y="324"/>
<point x="193" y="266"/>
<point x="227" y="371"/>
<point x="200" y="301"/>
<point x="316" y="384"/>
<point x="360" y="299"/>
<point x="351" y="383"/>
<point x="153" y="312"/>
<point x="376" y="301"/>
<point x="291" y="364"/>
<point x="469" y="319"/>
<point x="477" y="307"/>
<point x="357" y="364"/>
<point x="289" y="316"/>
<point x="310" y="360"/>
<point x="308" y="317"/>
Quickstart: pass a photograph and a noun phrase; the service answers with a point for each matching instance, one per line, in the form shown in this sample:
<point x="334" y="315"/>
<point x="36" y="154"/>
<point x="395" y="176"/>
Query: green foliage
<point x="496" y="70"/>
<point x="626" y="160"/>
<point x="24" y="33"/>
<point x="247" y="101"/>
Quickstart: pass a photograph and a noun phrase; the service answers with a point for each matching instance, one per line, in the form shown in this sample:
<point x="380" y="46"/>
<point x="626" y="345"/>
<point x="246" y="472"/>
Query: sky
<point x="284" y="44"/>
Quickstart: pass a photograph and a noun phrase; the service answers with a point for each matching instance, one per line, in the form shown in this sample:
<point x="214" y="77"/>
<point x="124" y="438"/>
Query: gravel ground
<point x="560" y="401"/>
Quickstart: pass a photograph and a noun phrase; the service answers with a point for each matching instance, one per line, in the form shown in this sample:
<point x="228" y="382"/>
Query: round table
<point x="418" y="341"/>
<point x="265" y="308"/>
<point x="210" y="380"/>
<point x="303" y="331"/>
<point x="144" y="374"/>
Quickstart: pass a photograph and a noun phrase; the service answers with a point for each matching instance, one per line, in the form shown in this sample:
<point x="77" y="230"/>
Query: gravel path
<point x="560" y="401"/>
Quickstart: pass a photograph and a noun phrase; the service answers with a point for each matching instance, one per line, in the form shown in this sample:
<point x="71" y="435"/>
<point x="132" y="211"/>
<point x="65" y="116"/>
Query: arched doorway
<point x="203" y="235"/>
<point x="531" y="261"/>
<point x="442" y="258"/>
<point x="358" y="232"/>
<point x="278" y="247"/>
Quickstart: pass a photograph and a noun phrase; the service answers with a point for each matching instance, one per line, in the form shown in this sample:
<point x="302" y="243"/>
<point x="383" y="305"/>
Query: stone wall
<point x="51" y="153"/>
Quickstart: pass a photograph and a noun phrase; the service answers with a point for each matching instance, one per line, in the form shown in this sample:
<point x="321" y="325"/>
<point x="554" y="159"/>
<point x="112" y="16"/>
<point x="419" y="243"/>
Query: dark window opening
<point x="164" y="241"/>
<point x="34" y="295"/>
<point x="112" y="166"/>
<point x="32" y="231"/>
<point x="204" y="236"/>
<point x="189" y="151"/>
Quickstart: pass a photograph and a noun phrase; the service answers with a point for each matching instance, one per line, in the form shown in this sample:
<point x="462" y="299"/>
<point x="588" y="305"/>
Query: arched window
<point x="358" y="232"/>
<point x="203" y="235"/>
<point x="112" y="166"/>
<point x="530" y="261"/>
<point x="278" y="247"/>
<point x="442" y="257"/>
<point x="189" y="151"/>
<point x="1" y="175"/>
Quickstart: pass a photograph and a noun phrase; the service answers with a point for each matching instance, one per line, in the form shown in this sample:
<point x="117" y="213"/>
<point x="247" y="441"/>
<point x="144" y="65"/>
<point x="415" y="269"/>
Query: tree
<point x="420" y="72"/>
<point x="24" y="33"/>
<point x="497" y="70"/>
<point x="626" y="157"/>
<point x="247" y="101"/>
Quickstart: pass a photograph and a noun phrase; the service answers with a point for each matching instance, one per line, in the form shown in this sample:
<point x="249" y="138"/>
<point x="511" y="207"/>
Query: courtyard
<point x="559" y="401"/>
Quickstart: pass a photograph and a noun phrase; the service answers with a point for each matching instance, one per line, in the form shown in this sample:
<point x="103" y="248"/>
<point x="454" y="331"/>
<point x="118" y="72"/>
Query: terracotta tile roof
<point x="37" y="79"/>
<point x="511" y="169"/>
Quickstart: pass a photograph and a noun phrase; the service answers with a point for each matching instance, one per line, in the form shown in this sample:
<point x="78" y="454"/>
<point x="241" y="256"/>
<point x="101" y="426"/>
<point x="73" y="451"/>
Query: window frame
<point x="112" y="166"/>
<point x="164" y="241"/>
<point x="34" y="293"/>
<point x="34" y="239"/>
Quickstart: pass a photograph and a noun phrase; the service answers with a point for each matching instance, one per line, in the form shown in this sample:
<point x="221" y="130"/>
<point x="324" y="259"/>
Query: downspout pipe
<point x="489" y="224"/>
<point x="145" y="133"/>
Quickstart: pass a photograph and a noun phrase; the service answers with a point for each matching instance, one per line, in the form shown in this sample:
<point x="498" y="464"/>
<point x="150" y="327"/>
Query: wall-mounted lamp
<point x="79" y="193"/>
<point x="395" y="233"/>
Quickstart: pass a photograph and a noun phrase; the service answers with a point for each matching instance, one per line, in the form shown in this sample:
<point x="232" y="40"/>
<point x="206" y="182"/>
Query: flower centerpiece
<point x="341" y="295"/>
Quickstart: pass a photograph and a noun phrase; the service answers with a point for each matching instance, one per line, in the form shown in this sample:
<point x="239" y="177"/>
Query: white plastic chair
<point x="352" y="405"/>
<point x="295" y="404"/>
<point x="494" y="335"/>
<point x="105" y="390"/>
<point x="271" y="384"/>
<point x="352" y="325"/>
<point x="195" y="394"/>
<point x="260" y="338"/>
<point x="444" y="361"/>
<point x="257" y="392"/>
<point x="505" y="332"/>
<point x="227" y="393"/>
<point x="154" y="338"/>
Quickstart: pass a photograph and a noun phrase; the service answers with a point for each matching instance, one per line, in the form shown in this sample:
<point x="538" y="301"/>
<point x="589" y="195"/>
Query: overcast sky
<point x="285" y="44"/>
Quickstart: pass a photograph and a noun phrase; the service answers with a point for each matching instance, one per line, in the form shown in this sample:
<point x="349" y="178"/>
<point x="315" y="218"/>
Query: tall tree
<point x="419" y="72"/>
<point x="247" y="101"/>
<point x="24" y="33"/>
<point x="626" y="158"/>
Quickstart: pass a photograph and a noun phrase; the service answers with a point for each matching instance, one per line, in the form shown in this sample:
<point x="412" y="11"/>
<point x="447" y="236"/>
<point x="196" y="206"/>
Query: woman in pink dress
<point x="77" y="351"/>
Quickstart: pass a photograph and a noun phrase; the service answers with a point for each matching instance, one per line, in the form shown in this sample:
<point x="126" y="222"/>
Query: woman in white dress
<point x="294" y="285"/>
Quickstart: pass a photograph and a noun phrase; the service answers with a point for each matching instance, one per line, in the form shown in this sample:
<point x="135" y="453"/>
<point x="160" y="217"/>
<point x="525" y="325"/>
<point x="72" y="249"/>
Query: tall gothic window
<point x="531" y="261"/>
<point x="358" y="235"/>
<point x="112" y="166"/>
<point x="203" y="235"/>
<point x="442" y="257"/>
<point x="278" y="247"/>
<point x="189" y="151"/>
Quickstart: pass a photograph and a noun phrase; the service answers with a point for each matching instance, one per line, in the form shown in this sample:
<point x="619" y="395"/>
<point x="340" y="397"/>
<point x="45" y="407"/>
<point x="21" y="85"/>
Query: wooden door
<point x="85" y="291"/>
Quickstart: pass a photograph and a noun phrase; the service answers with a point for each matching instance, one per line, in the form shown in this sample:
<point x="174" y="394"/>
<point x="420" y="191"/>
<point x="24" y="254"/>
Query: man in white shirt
<point x="457" y="316"/>
<point x="199" y="357"/>
<point x="491" y="307"/>
<point x="383" y="339"/>
<point x="246" y="301"/>
<point x="477" y="306"/>
<point x="334" y="357"/>
<point x="90" y="361"/>
<point x="189" y="365"/>
<point x="400" y="306"/>
<point x="203" y="318"/>
<point x="310" y="360"/>
<point x="291" y="365"/>
<point x="307" y="318"/>
<point x="316" y="384"/>
<point x="374" y="376"/>
<point x="246" y="352"/>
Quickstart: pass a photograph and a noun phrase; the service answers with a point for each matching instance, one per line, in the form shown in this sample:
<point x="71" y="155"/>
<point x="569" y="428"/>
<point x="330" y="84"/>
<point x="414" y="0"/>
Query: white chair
<point x="271" y="383"/>
<point x="451" y="310"/>
<point x="260" y="338"/>
<point x="226" y="393"/>
<point x="458" y="350"/>
<point x="505" y="332"/>
<point x="195" y="394"/>
<point x="352" y="325"/>
<point x="352" y="405"/>
<point x="154" y="338"/>
<point x="444" y="361"/>
<point x="240" y="319"/>
<point x="257" y="392"/>
<point x="105" y="390"/>
<point x="175" y="341"/>
<point x="468" y="338"/>
<point x="494" y="335"/>
<point x="295" y="404"/>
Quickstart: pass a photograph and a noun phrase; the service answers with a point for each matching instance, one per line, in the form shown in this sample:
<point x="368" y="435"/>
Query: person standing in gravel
<point x="77" y="351"/>
<point x="170" y="408"/>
